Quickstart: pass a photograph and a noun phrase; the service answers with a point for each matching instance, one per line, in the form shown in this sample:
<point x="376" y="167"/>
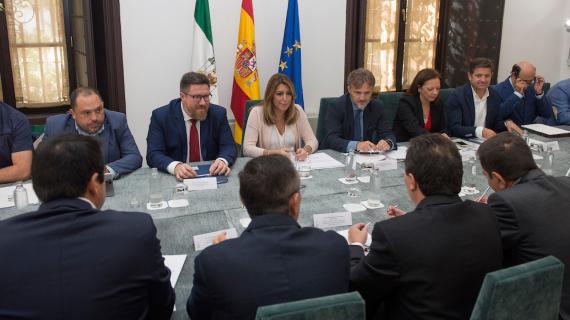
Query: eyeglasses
<point x="198" y="98"/>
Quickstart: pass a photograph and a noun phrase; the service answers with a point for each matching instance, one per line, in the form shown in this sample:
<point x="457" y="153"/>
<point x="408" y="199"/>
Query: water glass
<point x="304" y="169"/>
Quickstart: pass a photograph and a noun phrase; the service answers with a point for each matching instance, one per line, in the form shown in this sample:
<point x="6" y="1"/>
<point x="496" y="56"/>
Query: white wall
<point x="157" y="38"/>
<point x="534" y="30"/>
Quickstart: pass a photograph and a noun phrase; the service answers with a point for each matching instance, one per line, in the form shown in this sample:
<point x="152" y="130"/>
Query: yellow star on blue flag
<point x="290" y="60"/>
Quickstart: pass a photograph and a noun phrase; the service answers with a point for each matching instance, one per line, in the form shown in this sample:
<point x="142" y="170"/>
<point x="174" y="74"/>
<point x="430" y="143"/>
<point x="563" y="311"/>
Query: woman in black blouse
<point x="420" y="110"/>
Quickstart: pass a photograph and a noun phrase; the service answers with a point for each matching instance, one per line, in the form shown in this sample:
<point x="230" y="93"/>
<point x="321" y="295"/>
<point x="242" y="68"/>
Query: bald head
<point x="526" y="71"/>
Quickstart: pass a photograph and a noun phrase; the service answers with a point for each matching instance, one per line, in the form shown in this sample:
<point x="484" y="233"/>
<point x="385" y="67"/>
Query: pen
<point x="484" y="193"/>
<point x="367" y="225"/>
<point x="202" y="175"/>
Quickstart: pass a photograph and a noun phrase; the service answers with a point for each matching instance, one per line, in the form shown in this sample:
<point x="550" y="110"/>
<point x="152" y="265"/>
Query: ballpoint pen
<point x="484" y="193"/>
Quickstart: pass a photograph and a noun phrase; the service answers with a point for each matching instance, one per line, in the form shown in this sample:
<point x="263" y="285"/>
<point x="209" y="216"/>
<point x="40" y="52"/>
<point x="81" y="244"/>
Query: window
<point x="400" y="40"/>
<point x="38" y="52"/>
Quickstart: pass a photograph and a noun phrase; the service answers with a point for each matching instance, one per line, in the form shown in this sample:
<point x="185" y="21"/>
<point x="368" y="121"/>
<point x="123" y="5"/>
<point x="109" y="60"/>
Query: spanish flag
<point x="246" y="79"/>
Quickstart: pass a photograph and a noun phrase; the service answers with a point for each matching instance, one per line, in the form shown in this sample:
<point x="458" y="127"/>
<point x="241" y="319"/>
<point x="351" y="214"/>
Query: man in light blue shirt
<point x="559" y="96"/>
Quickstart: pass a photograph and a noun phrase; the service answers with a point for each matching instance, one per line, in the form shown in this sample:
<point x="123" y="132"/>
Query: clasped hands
<point x="368" y="146"/>
<point x="185" y="171"/>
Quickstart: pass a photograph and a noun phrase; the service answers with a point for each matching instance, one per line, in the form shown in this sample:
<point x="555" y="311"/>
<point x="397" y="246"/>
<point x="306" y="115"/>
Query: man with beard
<point x="88" y="117"/>
<point x="190" y="129"/>
<point x="356" y="121"/>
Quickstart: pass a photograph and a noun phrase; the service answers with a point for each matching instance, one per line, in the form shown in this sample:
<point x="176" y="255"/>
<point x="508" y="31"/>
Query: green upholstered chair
<point x="340" y="306"/>
<point x="528" y="291"/>
<point x="391" y="101"/>
<point x="321" y="123"/>
<point x="248" y="105"/>
<point x="444" y="94"/>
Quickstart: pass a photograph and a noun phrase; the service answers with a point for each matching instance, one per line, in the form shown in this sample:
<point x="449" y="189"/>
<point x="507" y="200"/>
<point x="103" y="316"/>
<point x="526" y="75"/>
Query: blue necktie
<point x="357" y="135"/>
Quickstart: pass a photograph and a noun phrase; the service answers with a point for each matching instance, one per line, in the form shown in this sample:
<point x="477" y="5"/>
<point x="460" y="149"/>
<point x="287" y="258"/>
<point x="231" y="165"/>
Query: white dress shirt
<point x="480" y="112"/>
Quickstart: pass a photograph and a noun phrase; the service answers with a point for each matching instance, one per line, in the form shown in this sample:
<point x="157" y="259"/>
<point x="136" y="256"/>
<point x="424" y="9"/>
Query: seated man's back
<point x="274" y="260"/>
<point x="532" y="208"/>
<point x="70" y="260"/>
<point x="429" y="263"/>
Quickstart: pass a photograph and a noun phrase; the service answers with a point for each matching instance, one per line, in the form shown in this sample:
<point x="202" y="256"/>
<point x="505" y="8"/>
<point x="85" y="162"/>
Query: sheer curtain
<point x="421" y="38"/>
<point x="38" y="52"/>
<point x="381" y="44"/>
<point x="380" y="47"/>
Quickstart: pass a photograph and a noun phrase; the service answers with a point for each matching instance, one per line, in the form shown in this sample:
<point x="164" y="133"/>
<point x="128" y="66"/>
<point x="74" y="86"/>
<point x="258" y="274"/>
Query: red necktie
<point x="194" y="146"/>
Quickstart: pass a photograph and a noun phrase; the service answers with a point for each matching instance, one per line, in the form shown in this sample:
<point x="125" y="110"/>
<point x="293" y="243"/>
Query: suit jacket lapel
<point x="105" y="140"/>
<point x="349" y="127"/>
<point x="469" y="98"/>
<point x="180" y="128"/>
<point x="205" y="135"/>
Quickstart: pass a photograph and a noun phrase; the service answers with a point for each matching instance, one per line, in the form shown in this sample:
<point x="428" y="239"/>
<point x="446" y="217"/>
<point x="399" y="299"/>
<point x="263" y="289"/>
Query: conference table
<point x="214" y="210"/>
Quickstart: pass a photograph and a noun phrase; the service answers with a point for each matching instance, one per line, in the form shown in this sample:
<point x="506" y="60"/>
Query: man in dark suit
<point x="532" y="209"/>
<point x="274" y="260"/>
<point x="88" y="117"/>
<point x="428" y="263"/>
<point x="190" y="129"/>
<point x="355" y="121"/>
<point x="15" y="145"/>
<point x="473" y="109"/>
<point x="522" y="96"/>
<point x="69" y="259"/>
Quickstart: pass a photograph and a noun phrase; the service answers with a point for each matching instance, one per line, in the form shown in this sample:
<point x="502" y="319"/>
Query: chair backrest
<point x="546" y="87"/>
<point x="248" y="105"/>
<point x="321" y="123"/>
<point x="528" y="291"/>
<point x="340" y="306"/>
<point x="391" y="101"/>
<point x="444" y="94"/>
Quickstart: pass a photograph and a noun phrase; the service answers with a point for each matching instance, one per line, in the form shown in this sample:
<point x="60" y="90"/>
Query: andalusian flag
<point x="203" y="47"/>
<point x="246" y="80"/>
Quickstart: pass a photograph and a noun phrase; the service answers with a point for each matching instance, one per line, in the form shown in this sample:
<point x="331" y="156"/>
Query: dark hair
<point x="481" y="63"/>
<point x="422" y="77"/>
<point x="268" y="109"/>
<point x="82" y="91"/>
<point x="266" y="184"/>
<point x="62" y="166"/>
<point x="191" y="78"/>
<point x="435" y="163"/>
<point x="507" y="154"/>
<point x="516" y="70"/>
<point x="359" y="77"/>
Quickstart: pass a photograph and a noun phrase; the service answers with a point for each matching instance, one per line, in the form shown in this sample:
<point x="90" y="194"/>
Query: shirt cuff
<point x="539" y="96"/>
<point x="479" y="132"/>
<point x="352" y="146"/>
<point x="171" y="167"/>
<point x="225" y="161"/>
<point x="391" y="143"/>
<point x="518" y="94"/>
<point x="112" y="172"/>
<point x="358" y="244"/>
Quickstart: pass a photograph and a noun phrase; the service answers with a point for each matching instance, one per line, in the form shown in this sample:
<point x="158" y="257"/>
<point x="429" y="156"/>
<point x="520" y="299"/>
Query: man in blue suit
<point x="72" y="260"/>
<point x="190" y="129"/>
<point x="473" y="109"/>
<point x="559" y="95"/>
<point x="274" y="260"/>
<point x="88" y="117"/>
<point x="523" y="97"/>
<point x="355" y="121"/>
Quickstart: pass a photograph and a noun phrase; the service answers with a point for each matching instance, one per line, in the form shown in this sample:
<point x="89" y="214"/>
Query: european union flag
<point x="290" y="62"/>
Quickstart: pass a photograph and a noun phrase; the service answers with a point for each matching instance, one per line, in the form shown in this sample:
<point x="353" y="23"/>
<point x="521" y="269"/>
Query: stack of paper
<point x="545" y="130"/>
<point x="322" y="160"/>
<point x="399" y="154"/>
